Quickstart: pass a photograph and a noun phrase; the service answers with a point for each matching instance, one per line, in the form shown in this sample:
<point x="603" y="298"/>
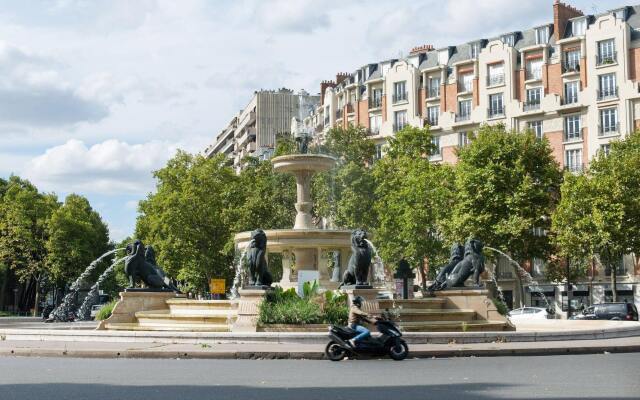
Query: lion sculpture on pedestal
<point x="357" y="272"/>
<point x="473" y="263"/>
<point x="259" y="274"/>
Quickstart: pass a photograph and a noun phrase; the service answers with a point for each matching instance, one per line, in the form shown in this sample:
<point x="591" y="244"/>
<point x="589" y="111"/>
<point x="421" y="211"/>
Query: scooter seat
<point x="345" y="330"/>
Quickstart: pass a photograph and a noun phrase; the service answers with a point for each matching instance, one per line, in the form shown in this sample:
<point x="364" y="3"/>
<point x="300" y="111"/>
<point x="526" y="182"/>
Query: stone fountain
<point x="304" y="243"/>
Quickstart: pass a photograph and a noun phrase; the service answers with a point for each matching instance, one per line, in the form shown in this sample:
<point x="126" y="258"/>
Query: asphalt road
<point x="600" y="376"/>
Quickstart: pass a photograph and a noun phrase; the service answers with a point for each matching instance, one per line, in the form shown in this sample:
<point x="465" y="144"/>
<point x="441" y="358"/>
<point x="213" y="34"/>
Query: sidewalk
<point x="302" y="351"/>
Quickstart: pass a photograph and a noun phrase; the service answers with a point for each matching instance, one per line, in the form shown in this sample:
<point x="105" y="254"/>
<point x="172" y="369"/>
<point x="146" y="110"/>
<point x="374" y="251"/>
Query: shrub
<point x="286" y="307"/>
<point x="105" y="311"/>
<point x="290" y="311"/>
<point x="500" y="306"/>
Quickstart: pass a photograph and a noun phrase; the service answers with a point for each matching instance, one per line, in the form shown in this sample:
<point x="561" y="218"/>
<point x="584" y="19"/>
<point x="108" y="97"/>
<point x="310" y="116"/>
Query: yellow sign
<point x="217" y="286"/>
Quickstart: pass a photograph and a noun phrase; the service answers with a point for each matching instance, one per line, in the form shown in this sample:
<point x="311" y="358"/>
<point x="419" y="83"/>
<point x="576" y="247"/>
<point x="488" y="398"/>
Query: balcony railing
<point x="433" y="92"/>
<point x="568" y="100"/>
<point x="339" y="113"/>
<point x="604" y="59"/>
<point x="495" y="112"/>
<point x="431" y="121"/>
<point x="572" y="136"/>
<point x="399" y="127"/>
<point x="375" y="102"/>
<point x="398" y="97"/>
<point x="465" y="87"/>
<point x="531" y="105"/>
<point x="608" y="129"/>
<point x="609" y="93"/>
<point x="374" y="131"/>
<point x="534" y="74"/>
<point x="570" y="66"/>
<point x="495" y="79"/>
<point x="574" y="167"/>
<point x="463" y="117"/>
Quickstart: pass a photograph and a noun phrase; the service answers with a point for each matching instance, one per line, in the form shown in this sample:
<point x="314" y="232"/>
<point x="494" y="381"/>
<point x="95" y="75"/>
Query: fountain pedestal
<point x="249" y="309"/>
<point x="370" y="304"/>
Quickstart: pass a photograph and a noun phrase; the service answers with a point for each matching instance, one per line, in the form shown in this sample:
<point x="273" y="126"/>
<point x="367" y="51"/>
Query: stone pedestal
<point x="370" y="296"/>
<point x="134" y="301"/>
<point x="249" y="309"/>
<point x="478" y="300"/>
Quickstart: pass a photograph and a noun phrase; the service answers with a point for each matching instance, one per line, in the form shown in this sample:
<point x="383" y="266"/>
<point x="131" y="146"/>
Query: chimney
<point x="421" y="49"/>
<point x="561" y="14"/>
<point x="341" y="76"/>
<point x="323" y="88"/>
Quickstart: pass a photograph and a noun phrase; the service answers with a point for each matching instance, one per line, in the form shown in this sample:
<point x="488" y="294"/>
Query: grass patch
<point x="286" y="307"/>
<point x="105" y="311"/>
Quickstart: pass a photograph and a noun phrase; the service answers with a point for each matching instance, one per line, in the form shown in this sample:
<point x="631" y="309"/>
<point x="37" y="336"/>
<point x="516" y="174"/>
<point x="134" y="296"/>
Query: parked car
<point x="528" y="313"/>
<point x="612" y="311"/>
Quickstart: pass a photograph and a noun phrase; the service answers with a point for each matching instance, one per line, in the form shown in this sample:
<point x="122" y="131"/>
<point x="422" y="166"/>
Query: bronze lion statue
<point x="473" y="263"/>
<point x="357" y="272"/>
<point x="259" y="274"/>
<point x="140" y="264"/>
<point x="457" y="254"/>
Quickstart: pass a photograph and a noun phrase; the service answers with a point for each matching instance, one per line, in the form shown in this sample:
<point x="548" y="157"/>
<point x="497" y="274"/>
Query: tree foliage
<point x="77" y="236"/>
<point x="507" y="185"/>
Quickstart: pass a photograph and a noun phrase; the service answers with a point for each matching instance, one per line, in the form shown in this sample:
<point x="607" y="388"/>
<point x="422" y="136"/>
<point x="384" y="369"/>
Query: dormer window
<point x="474" y="50"/>
<point x="542" y="35"/>
<point x="509" y="39"/>
<point x="579" y="26"/>
<point x="443" y="56"/>
<point x="620" y="14"/>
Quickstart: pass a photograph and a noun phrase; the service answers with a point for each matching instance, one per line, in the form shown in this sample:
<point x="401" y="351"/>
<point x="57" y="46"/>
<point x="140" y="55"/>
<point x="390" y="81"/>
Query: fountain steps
<point x="428" y="303"/>
<point x="165" y="317"/>
<point x="452" y="326"/>
<point x="420" y="315"/>
<point x="134" y="326"/>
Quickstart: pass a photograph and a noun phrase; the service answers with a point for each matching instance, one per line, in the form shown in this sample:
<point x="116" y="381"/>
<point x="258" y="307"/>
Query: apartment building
<point x="252" y="132"/>
<point x="573" y="80"/>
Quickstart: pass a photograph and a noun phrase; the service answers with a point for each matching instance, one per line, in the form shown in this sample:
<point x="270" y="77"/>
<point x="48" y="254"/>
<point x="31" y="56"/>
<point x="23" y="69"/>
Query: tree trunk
<point x="614" y="281"/>
<point x="37" y="298"/>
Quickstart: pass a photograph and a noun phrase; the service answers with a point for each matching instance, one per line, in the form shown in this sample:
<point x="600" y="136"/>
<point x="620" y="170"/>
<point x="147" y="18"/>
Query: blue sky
<point x="96" y="94"/>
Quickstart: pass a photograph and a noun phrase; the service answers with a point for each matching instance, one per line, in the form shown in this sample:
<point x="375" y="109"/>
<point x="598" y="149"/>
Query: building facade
<point x="573" y="80"/>
<point x="252" y="132"/>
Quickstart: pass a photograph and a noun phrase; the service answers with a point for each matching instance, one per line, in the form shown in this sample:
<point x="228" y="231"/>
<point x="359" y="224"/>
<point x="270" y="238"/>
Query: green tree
<point x="24" y="219"/>
<point x="77" y="236"/>
<point x="507" y="186"/>
<point x="599" y="213"/>
<point x="190" y="218"/>
<point x="413" y="200"/>
<point x="345" y="195"/>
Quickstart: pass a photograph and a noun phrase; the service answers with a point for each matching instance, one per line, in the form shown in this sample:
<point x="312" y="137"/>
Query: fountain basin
<point x="280" y="240"/>
<point x="303" y="162"/>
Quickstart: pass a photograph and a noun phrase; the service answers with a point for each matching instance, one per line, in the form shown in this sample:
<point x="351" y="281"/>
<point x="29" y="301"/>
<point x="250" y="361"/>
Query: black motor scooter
<point x="389" y="342"/>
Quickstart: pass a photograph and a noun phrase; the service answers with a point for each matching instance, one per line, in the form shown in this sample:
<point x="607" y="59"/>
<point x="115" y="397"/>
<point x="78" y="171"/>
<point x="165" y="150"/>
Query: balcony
<point x="607" y="94"/>
<point x="339" y="113"/>
<point x="463" y="117"/>
<point x="572" y="136"/>
<point x="531" y="106"/>
<point x="373" y="131"/>
<point x="570" y="67"/>
<point x="569" y="100"/>
<point x="534" y="75"/>
<point x="375" y="102"/>
<point x="575" y="168"/>
<point x="606" y="59"/>
<point x="495" y="112"/>
<point x="611" y="129"/>
<point x="433" y="92"/>
<point x="398" y="97"/>
<point x="495" y="80"/>
<point x="248" y="135"/>
<point x="465" y="87"/>
<point x="431" y="121"/>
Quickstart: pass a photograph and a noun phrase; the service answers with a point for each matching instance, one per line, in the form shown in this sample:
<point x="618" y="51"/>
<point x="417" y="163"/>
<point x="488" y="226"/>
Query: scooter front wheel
<point x="399" y="350"/>
<point x="334" y="351"/>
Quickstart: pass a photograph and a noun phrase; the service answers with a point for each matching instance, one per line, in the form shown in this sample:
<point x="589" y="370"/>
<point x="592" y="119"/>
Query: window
<point x="571" y="92"/>
<point x="579" y="26"/>
<point x="443" y="56"/>
<point x="533" y="99"/>
<point x="608" y="121"/>
<point x="374" y="124"/>
<point x="534" y="69"/>
<point x="571" y="61"/>
<point x="474" y="50"/>
<point x="464" y="110"/>
<point x="496" y="105"/>
<point x="466" y="82"/>
<point x="399" y="120"/>
<point x="606" y="52"/>
<point x="435" y="141"/>
<point x="572" y="128"/>
<point x="463" y="139"/>
<point x="605" y="149"/>
<point x="607" y="86"/>
<point x="620" y="14"/>
<point x="378" y="151"/>
<point x="432" y="115"/>
<point x="375" y="100"/>
<point x="433" y="87"/>
<point x="509" y="39"/>
<point x="496" y="74"/>
<point x="542" y="35"/>
<point x="399" y="91"/>
<point x="536" y="128"/>
<point x="573" y="160"/>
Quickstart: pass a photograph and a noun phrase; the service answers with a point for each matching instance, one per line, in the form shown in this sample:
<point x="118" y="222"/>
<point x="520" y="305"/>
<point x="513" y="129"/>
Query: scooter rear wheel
<point x="334" y="351"/>
<point x="399" y="350"/>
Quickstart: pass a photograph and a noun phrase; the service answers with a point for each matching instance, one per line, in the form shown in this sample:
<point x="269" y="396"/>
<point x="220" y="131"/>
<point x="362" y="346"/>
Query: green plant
<point x="294" y="311"/>
<point x="310" y="289"/>
<point x="106" y="310"/>
<point x="500" y="306"/>
<point x="336" y="310"/>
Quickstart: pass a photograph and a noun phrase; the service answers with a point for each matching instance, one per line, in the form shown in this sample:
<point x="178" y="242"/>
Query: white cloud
<point x="110" y="167"/>
<point x="300" y="16"/>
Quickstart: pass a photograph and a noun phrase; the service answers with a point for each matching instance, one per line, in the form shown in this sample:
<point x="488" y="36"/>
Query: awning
<point x="541" y="288"/>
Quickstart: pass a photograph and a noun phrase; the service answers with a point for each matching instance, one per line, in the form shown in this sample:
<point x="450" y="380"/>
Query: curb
<point x="309" y="355"/>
